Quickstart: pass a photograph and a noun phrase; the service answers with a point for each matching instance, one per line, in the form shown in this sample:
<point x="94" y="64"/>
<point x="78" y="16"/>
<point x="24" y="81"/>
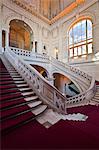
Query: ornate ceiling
<point x="49" y="10"/>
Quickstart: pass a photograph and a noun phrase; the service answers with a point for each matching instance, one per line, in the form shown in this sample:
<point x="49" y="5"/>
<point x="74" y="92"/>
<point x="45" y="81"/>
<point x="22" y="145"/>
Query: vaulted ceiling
<point x="49" y="9"/>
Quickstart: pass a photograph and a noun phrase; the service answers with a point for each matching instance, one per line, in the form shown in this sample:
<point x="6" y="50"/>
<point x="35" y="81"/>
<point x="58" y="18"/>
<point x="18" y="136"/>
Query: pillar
<point x="33" y="48"/>
<point x="51" y="79"/>
<point x="7" y="39"/>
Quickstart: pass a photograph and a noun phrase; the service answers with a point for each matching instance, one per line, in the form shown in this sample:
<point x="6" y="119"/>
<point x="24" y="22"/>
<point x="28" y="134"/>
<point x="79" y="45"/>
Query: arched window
<point x="80" y="39"/>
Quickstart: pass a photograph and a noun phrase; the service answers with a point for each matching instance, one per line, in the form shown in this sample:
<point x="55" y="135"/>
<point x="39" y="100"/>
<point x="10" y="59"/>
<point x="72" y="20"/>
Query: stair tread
<point x="21" y="85"/>
<point x="24" y="89"/>
<point x="19" y="82"/>
<point x="27" y="93"/>
<point x="33" y="104"/>
<point x="39" y="109"/>
<point x="31" y="98"/>
<point x="16" y="79"/>
<point x="15" y="121"/>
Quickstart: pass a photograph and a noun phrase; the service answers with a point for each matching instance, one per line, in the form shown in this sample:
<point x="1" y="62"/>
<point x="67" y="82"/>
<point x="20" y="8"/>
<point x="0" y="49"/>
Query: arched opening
<point x="65" y="85"/>
<point x="81" y="39"/>
<point x="21" y="35"/>
<point x="41" y="70"/>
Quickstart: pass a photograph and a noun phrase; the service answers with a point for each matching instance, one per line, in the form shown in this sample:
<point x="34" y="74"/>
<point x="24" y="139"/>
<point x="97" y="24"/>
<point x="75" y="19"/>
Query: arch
<point x="41" y="70"/>
<point x="86" y="15"/>
<point x="82" y="17"/>
<point x="21" y="35"/>
<point x="18" y="17"/>
<point x="66" y="75"/>
<point x="65" y="85"/>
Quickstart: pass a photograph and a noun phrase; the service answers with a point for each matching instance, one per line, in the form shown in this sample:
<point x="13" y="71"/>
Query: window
<point x="80" y="39"/>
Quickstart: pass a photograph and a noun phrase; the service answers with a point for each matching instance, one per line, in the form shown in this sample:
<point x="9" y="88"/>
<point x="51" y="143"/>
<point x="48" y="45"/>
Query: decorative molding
<point x="67" y="10"/>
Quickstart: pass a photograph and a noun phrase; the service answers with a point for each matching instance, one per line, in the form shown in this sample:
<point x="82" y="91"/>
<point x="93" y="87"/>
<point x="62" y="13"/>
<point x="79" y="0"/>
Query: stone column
<point x="7" y="38"/>
<point x="33" y="47"/>
<point x="51" y="79"/>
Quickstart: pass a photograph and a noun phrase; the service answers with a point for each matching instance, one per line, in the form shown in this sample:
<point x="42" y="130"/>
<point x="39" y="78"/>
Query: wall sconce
<point x="56" y="53"/>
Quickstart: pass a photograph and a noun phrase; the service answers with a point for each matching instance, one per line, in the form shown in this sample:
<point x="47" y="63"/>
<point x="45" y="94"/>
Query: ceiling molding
<point x="63" y="13"/>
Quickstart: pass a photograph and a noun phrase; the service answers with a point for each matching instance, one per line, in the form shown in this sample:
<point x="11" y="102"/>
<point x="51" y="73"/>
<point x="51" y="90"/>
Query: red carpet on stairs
<point x="11" y="115"/>
<point x="62" y="135"/>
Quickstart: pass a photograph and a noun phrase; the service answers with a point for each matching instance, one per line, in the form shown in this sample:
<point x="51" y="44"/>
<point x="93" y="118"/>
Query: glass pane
<point x="89" y="29"/>
<point x="75" y="51"/>
<point x="79" y="31"/>
<point x="83" y="49"/>
<point x="79" y="50"/>
<point x="83" y="31"/>
<point x="71" y="52"/>
<point x="89" y="48"/>
<point x="75" y="33"/>
<point x="70" y="37"/>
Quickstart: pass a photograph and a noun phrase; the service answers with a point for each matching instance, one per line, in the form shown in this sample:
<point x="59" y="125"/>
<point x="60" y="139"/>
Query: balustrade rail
<point x="52" y="60"/>
<point x="47" y="92"/>
<point x="41" y="86"/>
<point x="72" y="69"/>
<point x="22" y="52"/>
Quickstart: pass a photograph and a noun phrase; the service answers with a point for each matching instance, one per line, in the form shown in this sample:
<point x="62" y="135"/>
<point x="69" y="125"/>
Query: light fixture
<point x="56" y="50"/>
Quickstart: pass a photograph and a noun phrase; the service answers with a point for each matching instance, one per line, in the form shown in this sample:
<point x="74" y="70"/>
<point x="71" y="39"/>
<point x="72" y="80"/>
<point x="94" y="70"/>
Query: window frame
<point x="85" y="42"/>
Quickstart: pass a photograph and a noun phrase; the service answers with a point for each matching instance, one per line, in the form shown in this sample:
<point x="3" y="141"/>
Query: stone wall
<point x="53" y="37"/>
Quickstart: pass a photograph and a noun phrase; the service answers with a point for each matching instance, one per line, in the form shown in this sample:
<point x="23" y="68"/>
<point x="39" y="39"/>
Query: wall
<point x="41" y="30"/>
<point x="59" y="35"/>
<point x="56" y="35"/>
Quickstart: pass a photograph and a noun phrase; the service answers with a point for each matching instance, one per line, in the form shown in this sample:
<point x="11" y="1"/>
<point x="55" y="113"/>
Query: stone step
<point x="27" y="93"/>
<point x="21" y="85"/>
<point x="39" y="109"/>
<point x="96" y="96"/>
<point x="24" y="89"/>
<point x="18" y="79"/>
<point x="48" y="118"/>
<point x="31" y="98"/>
<point x="33" y="104"/>
<point x="19" y="82"/>
<point x="14" y="74"/>
<point x="96" y="100"/>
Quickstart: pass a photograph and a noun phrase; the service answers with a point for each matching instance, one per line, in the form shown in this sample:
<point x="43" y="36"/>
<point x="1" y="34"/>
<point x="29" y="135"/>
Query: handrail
<point x="49" y="93"/>
<point x="73" y="69"/>
<point x="41" y="86"/>
<point x="23" y="52"/>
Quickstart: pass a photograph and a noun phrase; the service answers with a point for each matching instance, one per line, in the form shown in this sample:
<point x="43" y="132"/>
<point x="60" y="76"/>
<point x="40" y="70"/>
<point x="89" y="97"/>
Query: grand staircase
<point x="18" y="102"/>
<point x="26" y="95"/>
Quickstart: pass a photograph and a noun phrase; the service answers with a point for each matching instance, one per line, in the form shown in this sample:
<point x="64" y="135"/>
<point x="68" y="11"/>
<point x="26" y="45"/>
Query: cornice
<point x="56" y="18"/>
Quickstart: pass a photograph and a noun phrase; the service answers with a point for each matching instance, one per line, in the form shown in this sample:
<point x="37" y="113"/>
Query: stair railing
<point x="77" y="79"/>
<point x="70" y="68"/>
<point x="23" y="52"/>
<point x="47" y="92"/>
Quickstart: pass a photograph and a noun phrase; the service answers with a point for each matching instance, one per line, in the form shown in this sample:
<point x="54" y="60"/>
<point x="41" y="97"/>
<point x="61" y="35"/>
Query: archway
<point x="65" y="85"/>
<point x="21" y="35"/>
<point x="41" y="70"/>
